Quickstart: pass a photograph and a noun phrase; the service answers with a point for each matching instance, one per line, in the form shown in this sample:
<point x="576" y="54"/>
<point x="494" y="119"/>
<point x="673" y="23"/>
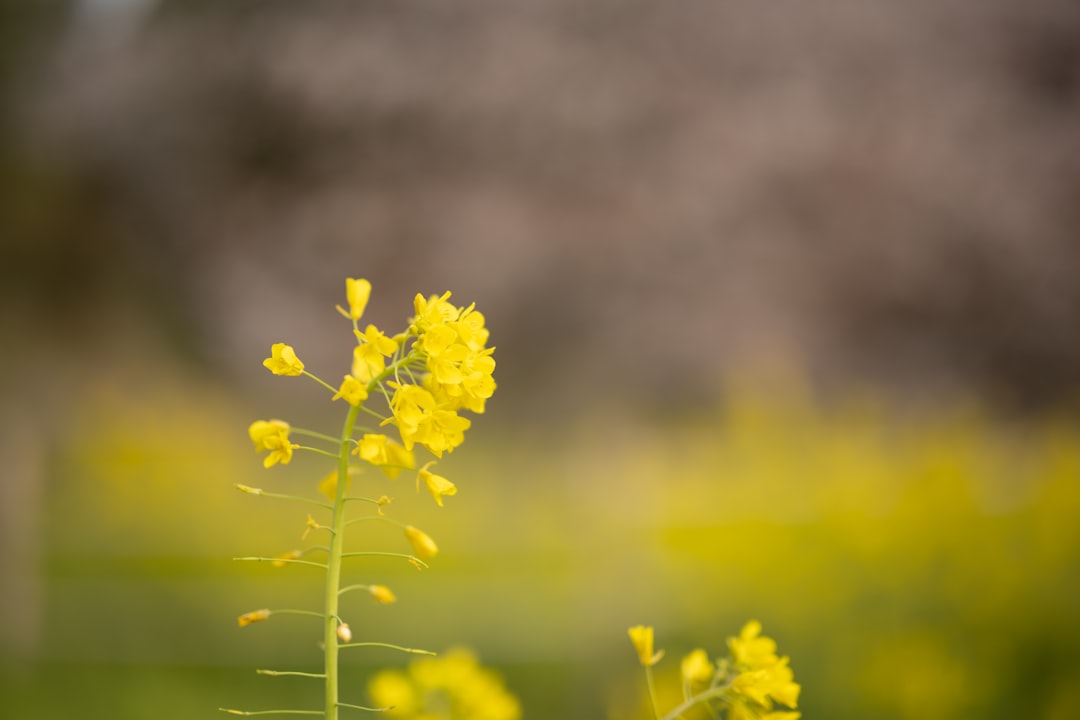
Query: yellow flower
<point x="372" y="448"/>
<point x="352" y="390"/>
<point x="642" y="638"/>
<point x="283" y="360"/>
<point x="453" y="685"/>
<point x="382" y="594"/>
<point x="252" y="617"/>
<point x="470" y="328"/>
<point x="435" y="310"/>
<point x="357" y="292"/>
<point x="696" y="667"/>
<point x="422" y="544"/>
<point x="272" y="435"/>
<point x="397" y="459"/>
<point x="369" y="356"/>
<point x="437" y="485"/>
<point x="751" y="650"/>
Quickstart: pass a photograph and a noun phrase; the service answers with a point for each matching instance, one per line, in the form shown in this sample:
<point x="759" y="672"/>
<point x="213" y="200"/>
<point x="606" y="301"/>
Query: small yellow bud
<point x="415" y="563"/>
<point x="422" y="544"/>
<point x="344" y="633"/>
<point x="382" y="594"/>
<point x="696" y="667"/>
<point x="311" y="525"/>
<point x="252" y="617"/>
<point x="642" y="638"/>
<point x="291" y="555"/>
<point x="245" y="488"/>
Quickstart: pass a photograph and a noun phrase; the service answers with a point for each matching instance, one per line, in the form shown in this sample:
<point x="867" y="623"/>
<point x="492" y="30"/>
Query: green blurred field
<point x="912" y="566"/>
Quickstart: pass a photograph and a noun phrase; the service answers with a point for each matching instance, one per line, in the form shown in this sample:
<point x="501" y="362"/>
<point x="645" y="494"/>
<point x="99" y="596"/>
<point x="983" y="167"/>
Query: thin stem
<point x="703" y="696"/>
<point x="414" y="651"/>
<point x="329" y="387"/>
<point x="320" y="451"/>
<point x="652" y="691"/>
<point x="361" y="707"/>
<point x="281" y="560"/>
<point x="382" y="518"/>
<point x="279" y="673"/>
<point x="279" y="496"/>
<point x="271" y="712"/>
<point x="312" y="433"/>
<point x="411" y="558"/>
<point x="292" y="611"/>
<point x="355" y="498"/>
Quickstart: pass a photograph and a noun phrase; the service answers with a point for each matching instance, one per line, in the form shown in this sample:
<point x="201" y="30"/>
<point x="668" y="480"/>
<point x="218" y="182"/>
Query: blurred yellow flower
<point x="283" y="360"/>
<point x="453" y="686"/>
<point x="291" y="555"/>
<point x="382" y="594"/>
<point x="272" y="435"/>
<point x="422" y="544"/>
<point x="696" y="667"/>
<point x="437" y="485"/>
<point x="252" y="617"/>
<point x="642" y="638"/>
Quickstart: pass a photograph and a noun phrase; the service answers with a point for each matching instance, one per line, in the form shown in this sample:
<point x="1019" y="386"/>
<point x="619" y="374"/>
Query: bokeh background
<point x="787" y="311"/>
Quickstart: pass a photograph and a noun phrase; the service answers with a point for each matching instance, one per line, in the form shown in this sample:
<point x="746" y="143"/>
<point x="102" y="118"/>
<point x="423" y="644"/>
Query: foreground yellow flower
<point x="750" y="649"/>
<point x="422" y="544"/>
<point x="283" y="360"/>
<point x="642" y="638"/>
<point x="352" y="391"/>
<point x="437" y="485"/>
<point x="357" y="292"/>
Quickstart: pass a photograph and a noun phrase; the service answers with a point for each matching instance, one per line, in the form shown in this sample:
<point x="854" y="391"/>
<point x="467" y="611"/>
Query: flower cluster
<point x="436" y="368"/>
<point x="745" y="685"/>
<point x="452" y="686"/>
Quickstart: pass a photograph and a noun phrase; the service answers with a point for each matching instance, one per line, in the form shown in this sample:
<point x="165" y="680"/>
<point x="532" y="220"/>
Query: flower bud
<point x="344" y="633"/>
<point x="422" y="544"/>
<point x="252" y="617"/>
<point x="382" y="594"/>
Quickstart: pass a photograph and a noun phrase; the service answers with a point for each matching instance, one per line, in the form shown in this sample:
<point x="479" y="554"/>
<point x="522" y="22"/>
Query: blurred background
<point x="786" y="311"/>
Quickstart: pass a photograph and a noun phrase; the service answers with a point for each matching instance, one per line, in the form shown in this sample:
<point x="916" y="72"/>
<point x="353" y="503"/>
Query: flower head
<point x="352" y="391"/>
<point x="642" y="638"/>
<point x="357" y="292"/>
<point x="272" y="435"/>
<point x="696" y="667"/>
<point x="283" y="360"/>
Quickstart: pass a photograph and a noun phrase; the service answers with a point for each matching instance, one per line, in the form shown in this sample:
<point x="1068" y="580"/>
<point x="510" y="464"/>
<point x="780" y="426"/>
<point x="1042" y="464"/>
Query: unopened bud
<point x="344" y="633"/>
<point x="245" y="488"/>
<point x="252" y="617"/>
<point x="382" y="594"/>
<point x="422" y="544"/>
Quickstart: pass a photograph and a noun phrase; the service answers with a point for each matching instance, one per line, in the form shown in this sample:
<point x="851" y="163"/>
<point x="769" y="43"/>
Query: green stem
<point x="414" y="651"/>
<point x="277" y="673"/>
<point x="271" y="712"/>
<point x="281" y="560"/>
<point x="333" y="573"/>
<point x="329" y="387"/>
<point x="314" y="450"/>
<point x="703" y="696"/>
<point x="312" y="433"/>
<point x="652" y="691"/>
<point x="297" y="498"/>
<point x="361" y="707"/>
<point x="411" y="558"/>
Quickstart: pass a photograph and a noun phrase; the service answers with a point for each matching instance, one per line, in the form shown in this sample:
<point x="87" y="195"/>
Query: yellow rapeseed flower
<point x="642" y="638"/>
<point x="283" y="360"/>
<point x="272" y="435"/>
<point x="422" y="544"/>
<point x="696" y="667"/>
<point x="357" y="292"/>
<point x="352" y="391"/>
<point x="369" y="357"/>
<point x="437" y="485"/>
